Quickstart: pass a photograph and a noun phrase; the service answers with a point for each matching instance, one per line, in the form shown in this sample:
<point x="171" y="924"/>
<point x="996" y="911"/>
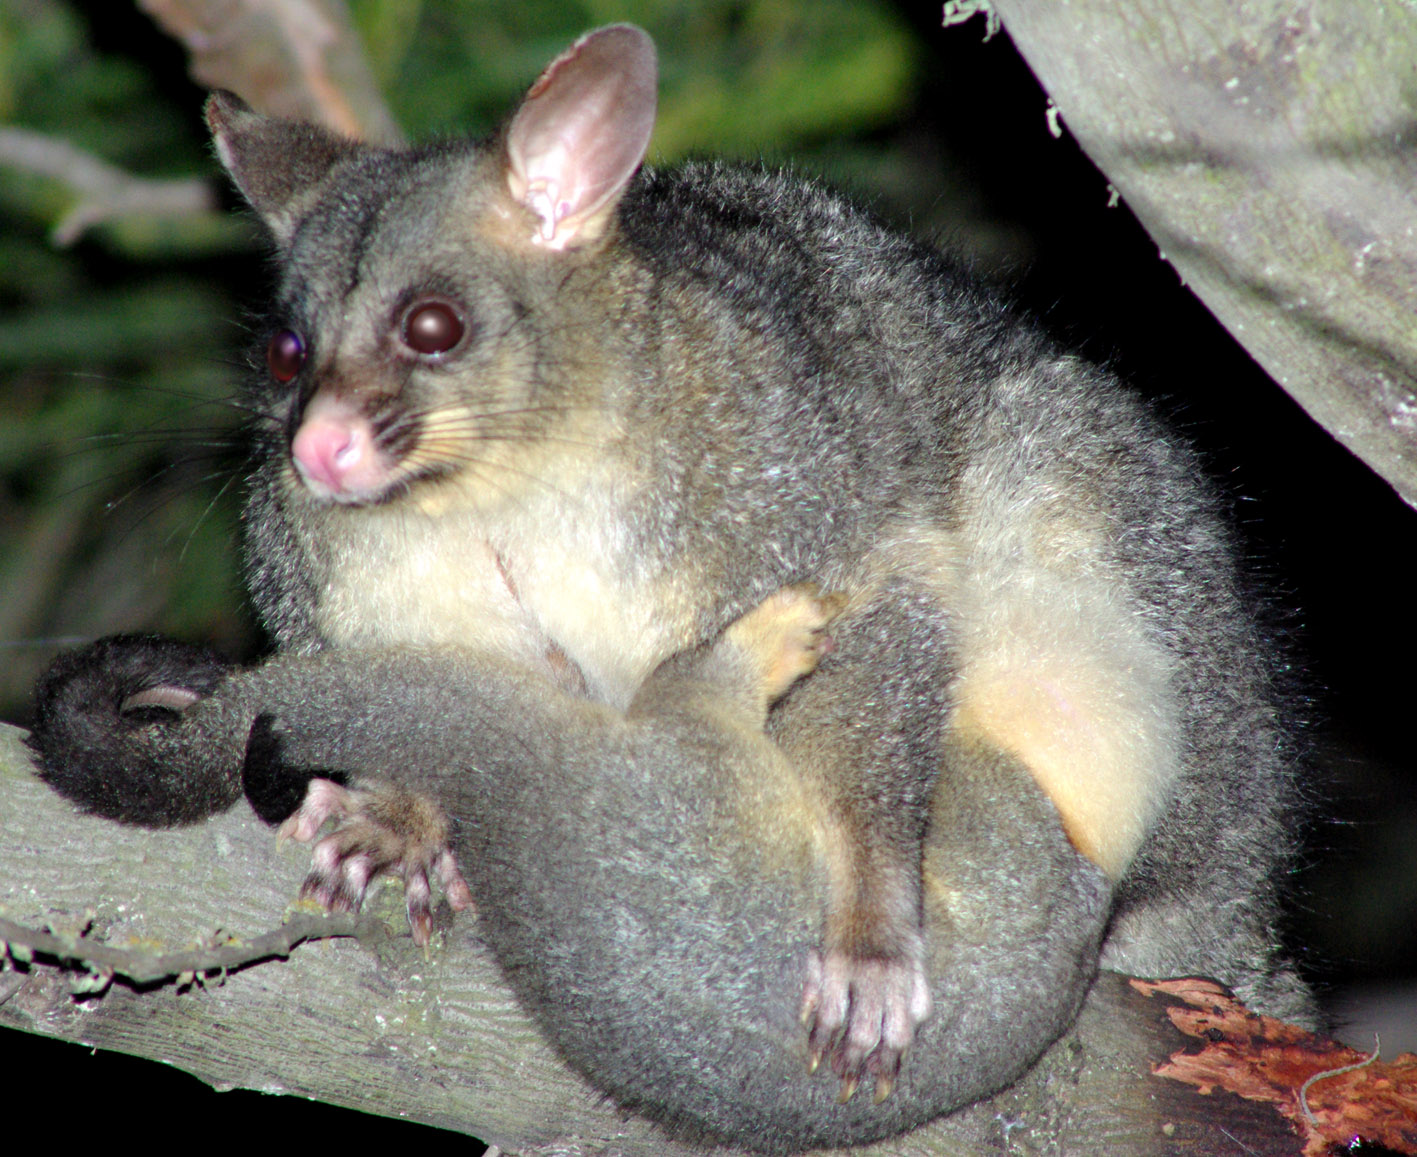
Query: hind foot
<point x="861" y="1015"/>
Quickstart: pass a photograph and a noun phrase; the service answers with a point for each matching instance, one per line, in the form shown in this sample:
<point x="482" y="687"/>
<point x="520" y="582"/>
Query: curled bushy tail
<point x="114" y="734"/>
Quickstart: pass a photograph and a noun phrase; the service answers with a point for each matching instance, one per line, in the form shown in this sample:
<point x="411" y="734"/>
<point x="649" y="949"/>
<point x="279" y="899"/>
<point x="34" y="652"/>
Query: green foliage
<point x="52" y="80"/>
<point x="113" y="368"/>
<point x="739" y="77"/>
<point x="119" y="358"/>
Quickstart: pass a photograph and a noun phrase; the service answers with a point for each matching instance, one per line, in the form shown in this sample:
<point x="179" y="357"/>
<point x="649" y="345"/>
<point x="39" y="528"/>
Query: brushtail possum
<point x="548" y="443"/>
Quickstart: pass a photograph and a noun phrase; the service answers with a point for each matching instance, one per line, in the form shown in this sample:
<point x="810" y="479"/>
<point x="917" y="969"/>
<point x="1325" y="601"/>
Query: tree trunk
<point x="1270" y="149"/>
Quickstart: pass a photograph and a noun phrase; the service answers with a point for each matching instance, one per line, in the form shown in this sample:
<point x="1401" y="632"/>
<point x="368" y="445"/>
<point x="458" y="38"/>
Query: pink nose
<point x="334" y="452"/>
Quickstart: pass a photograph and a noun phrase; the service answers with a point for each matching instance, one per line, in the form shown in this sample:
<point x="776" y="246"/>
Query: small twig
<point x="104" y="191"/>
<point x="1238" y="1143"/>
<point x="142" y="966"/>
<point x="1323" y="1076"/>
<point x="958" y="11"/>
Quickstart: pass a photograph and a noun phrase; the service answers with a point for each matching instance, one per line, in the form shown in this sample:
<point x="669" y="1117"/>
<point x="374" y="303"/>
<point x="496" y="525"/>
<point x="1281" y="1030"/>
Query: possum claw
<point x="862" y="1013"/>
<point x="382" y="830"/>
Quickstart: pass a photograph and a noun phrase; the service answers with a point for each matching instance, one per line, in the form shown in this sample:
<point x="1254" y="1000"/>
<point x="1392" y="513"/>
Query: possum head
<point x="438" y="305"/>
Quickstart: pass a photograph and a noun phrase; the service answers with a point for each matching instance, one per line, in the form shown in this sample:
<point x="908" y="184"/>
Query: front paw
<point x="381" y="830"/>
<point x="861" y="1014"/>
<point x="785" y="636"/>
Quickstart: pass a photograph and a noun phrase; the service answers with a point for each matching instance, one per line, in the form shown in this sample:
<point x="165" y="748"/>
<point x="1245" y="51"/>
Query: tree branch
<point x="373" y="1024"/>
<point x="1271" y="152"/>
<point x="298" y="58"/>
<point x="104" y="191"/>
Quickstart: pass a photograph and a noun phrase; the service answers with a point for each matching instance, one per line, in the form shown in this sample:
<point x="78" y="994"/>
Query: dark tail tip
<point x="110" y="731"/>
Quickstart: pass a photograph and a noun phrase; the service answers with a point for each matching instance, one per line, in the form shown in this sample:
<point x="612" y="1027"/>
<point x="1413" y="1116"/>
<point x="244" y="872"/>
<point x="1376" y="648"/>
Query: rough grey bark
<point x="373" y="1025"/>
<point x="1270" y="148"/>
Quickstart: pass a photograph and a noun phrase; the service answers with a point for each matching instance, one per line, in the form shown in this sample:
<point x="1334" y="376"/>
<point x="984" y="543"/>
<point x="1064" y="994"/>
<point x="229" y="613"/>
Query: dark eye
<point x="432" y="327"/>
<point x="285" y="355"/>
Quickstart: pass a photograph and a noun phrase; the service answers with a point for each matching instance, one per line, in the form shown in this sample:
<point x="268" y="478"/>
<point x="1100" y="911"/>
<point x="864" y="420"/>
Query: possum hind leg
<point x="1056" y="669"/>
<point x="865" y="732"/>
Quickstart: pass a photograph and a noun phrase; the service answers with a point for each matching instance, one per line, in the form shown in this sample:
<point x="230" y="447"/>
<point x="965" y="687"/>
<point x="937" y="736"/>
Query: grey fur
<point x="733" y="382"/>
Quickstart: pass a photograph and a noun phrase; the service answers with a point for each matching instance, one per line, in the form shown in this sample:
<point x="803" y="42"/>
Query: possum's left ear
<point x="279" y="165"/>
<point x="581" y="133"/>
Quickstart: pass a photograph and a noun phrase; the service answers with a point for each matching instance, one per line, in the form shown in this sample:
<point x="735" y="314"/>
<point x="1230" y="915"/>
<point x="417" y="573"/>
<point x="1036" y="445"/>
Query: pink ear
<point x="581" y="133"/>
